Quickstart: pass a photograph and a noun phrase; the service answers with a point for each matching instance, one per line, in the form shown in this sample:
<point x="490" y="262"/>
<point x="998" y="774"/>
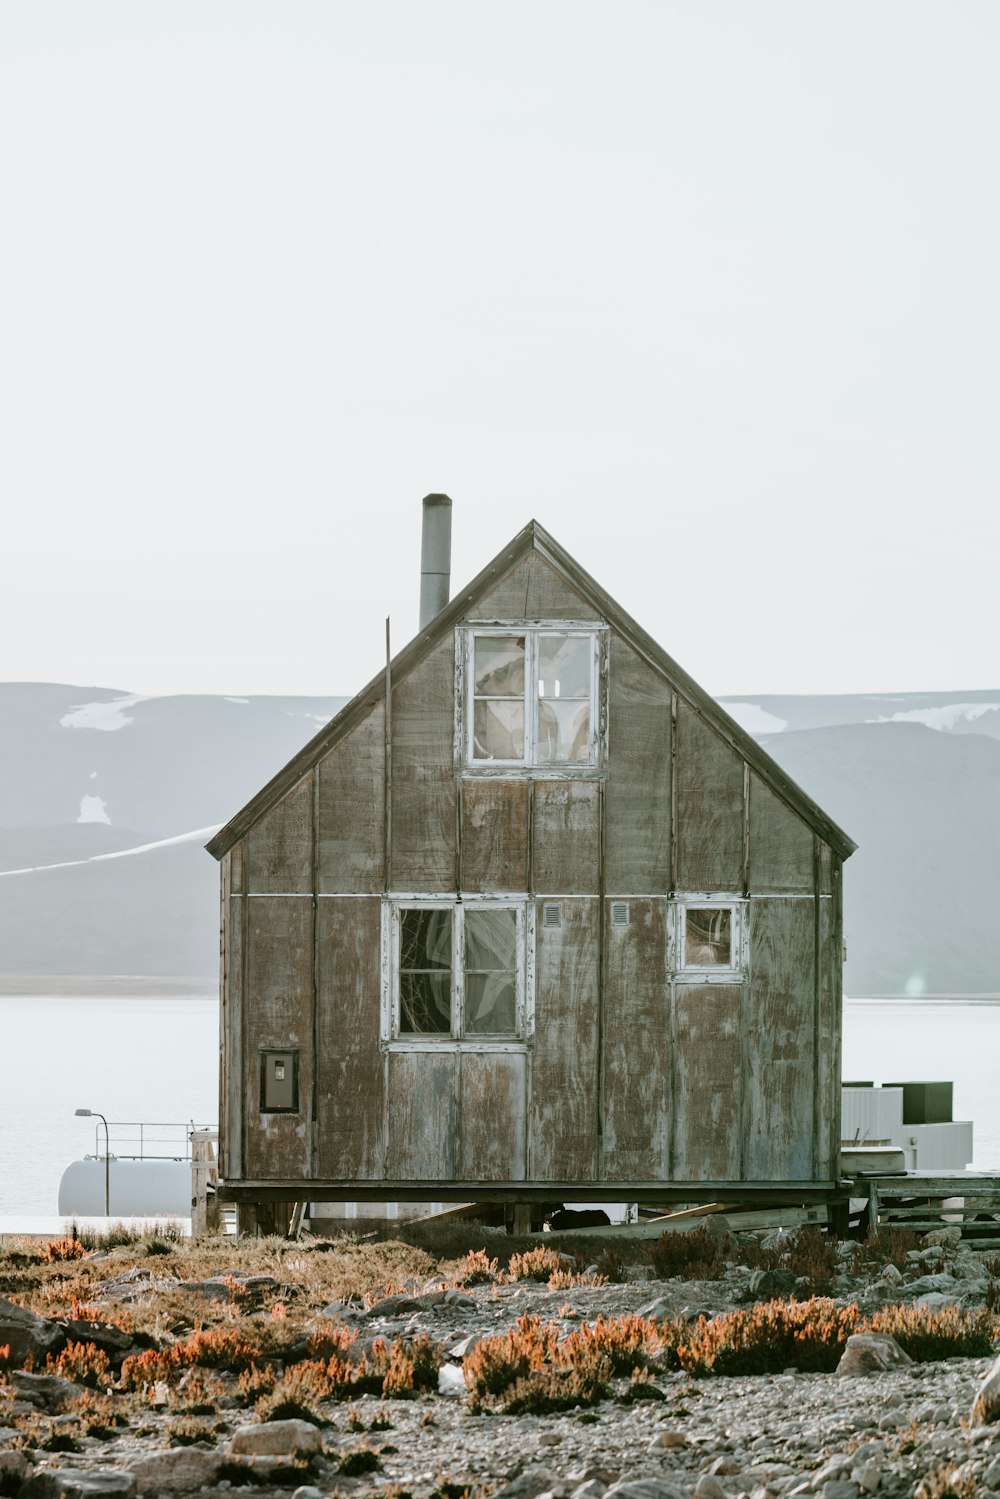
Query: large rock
<point x="926" y="1284"/>
<point x="79" y="1483"/>
<point x="943" y="1238"/>
<point x="986" y="1406"/>
<point x="277" y="1439"/>
<point x="871" y="1353"/>
<point x="765" y="1285"/>
<point x="115" y="1343"/>
<point x="651" y="1487"/>
<point x="47" y="1392"/>
<point x="26" y="1334"/>
<point x="176" y="1470"/>
<point x="528" y="1485"/>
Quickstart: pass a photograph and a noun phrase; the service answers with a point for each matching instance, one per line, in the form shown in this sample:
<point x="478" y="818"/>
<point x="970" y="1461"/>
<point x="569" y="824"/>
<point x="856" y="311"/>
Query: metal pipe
<point x="435" y="557"/>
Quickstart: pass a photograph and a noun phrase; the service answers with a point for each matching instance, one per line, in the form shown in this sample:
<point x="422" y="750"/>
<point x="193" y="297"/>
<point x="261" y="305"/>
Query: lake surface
<point x="157" y="1059"/>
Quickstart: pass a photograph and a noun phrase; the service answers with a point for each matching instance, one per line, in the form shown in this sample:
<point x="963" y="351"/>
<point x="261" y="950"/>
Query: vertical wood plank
<point x="225" y="873"/>
<point x="231" y="1102"/>
<point x="424" y="801"/>
<point x="351" y="853"/>
<point x="494" y="835"/>
<point x="637" y="1060"/>
<point x="423" y="1115"/>
<point x="781" y="844"/>
<point x="350" y="1071"/>
<point x="709" y="776"/>
<point x="278" y="1014"/>
<point x="279" y="845"/>
<point x="779" y="1067"/>
<point x="563" y="1109"/>
<point x="707" y="1079"/>
<point x="236" y="861"/>
<point x="637" y="835"/>
<point x="493" y="1116"/>
<point x="532" y="589"/>
<point x="566" y="837"/>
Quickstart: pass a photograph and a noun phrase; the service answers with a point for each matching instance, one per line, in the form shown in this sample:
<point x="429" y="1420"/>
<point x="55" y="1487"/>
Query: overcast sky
<point x="708" y="287"/>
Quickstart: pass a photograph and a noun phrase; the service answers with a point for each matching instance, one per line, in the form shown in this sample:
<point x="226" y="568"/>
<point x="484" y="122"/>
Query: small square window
<point x="709" y="935"/>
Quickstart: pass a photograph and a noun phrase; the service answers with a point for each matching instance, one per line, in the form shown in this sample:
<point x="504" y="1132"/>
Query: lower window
<point x="457" y="970"/>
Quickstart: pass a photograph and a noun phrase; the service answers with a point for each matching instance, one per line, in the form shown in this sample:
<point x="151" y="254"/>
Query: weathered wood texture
<point x="637" y="1054"/>
<point x="709" y="776"/>
<point x="423" y="774"/>
<point x="278" y="1013"/>
<point x="232" y="1093"/>
<point x="492" y="1125"/>
<point x="566" y="837"/>
<point x="423" y="1115"/>
<point x="637" y="812"/>
<point x="781" y="844"/>
<point x="707" y="1082"/>
<point x="830" y="979"/>
<point x="350" y="1069"/>
<point x="225" y="998"/>
<point x="778" y="1062"/>
<point x="827" y="874"/>
<point x="351" y="835"/>
<point x="494" y="835"/>
<point x="236" y="857"/>
<point x="563" y="1111"/>
<point x="279" y="846"/>
<point x="532" y="589"/>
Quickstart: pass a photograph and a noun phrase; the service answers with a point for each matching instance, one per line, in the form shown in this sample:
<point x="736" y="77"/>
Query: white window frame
<point x="456" y="1039"/>
<point x="466" y="697"/>
<point x="710" y="973"/>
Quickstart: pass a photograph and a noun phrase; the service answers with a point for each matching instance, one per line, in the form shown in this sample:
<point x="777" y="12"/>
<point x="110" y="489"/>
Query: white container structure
<point x="874" y="1116"/>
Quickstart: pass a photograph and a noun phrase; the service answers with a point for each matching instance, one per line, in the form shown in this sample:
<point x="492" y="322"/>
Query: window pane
<point x="490" y="940"/>
<point x="564" y="663"/>
<point x="425" y="939"/>
<point x="424" y="1004"/>
<point x="708" y="936"/>
<point x="489" y="1004"/>
<point x="498" y="730"/>
<point x="499" y="669"/>
<point x="563" y="732"/>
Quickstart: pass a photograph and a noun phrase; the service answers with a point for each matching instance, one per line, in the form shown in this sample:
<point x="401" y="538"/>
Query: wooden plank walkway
<point x="925" y="1200"/>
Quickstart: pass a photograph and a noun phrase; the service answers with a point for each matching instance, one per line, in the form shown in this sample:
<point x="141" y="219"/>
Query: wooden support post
<point x="204" y="1183"/>
<point x="872" y="1206"/>
<point x="246" y="1219"/>
<point x="517" y="1217"/>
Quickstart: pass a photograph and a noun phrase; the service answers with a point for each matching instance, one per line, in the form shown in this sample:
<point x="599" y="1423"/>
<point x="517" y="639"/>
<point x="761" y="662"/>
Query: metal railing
<point x="146" y="1140"/>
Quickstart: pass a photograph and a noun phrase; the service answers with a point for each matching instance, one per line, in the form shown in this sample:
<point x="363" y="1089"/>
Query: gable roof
<point x="534" y="537"/>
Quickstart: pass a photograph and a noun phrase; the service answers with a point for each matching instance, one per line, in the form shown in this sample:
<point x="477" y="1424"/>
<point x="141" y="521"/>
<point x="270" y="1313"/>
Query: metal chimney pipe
<point x="435" y="557"/>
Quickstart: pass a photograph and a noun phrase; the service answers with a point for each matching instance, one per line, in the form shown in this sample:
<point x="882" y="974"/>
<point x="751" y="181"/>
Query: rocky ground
<point x="897" y="1431"/>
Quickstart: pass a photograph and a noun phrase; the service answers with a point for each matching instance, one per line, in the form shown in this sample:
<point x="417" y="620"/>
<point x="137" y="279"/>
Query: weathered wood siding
<point x="563" y="1112"/>
<point x="780" y="845"/>
<point x="278" y="1012"/>
<point x="279" y="847"/>
<point x="566" y="837"/>
<point x="423" y="776"/>
<point x="423" y="1115"/>
<point x="777" y="1062"/>
<point x="638" y="1058"/>
<point x="637" y="811"/>
<point x="495" y="826"/>
<point x="351" y="831"/>
<point x="708" y="1080"/>
<point x="532" y="589"/>
<point x="350" y="1069"/>
<point x="709" y="792"/>
<point x="492" y="1126"/>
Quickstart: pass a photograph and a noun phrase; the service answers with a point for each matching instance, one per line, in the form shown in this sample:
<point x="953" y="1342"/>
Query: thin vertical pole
<point x="387" y="820"/>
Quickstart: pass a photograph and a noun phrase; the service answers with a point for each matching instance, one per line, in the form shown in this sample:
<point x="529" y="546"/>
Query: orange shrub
<point x="621" y="1344"/>
<point x="83" y="1363"/>
<point x="497" y="1362"/>
<point x="477" y="1269"/>
<point x="329" y="1341"/>
<point x="534" y="1264"/>
<point x="765" y="1339"/>
<point x="927" y="1335"/>
<point x="62" y="1249"/>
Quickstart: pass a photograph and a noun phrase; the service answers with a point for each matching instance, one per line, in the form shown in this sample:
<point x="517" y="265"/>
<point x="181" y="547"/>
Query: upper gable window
<point x="532" y="697"/>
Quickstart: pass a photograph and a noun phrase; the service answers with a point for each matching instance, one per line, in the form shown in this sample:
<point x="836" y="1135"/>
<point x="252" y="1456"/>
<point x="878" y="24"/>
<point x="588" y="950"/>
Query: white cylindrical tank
<point x="138" y="1189"/>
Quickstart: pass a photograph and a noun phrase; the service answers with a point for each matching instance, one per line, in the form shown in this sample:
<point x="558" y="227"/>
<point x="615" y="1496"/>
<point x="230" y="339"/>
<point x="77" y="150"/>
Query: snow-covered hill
<point x="107" y="798"/>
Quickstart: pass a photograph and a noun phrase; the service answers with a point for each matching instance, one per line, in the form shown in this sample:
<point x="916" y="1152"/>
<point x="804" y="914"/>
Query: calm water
<point x="157" y="1059"/>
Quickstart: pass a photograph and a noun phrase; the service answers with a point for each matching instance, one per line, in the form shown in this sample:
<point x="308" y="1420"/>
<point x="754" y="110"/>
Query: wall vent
<point x="619" y="913"/>
<point x="551" y="914"/>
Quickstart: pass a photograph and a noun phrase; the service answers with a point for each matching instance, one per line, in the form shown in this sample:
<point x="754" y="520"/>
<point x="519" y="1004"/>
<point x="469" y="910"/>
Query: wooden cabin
<point x="532" y="918"/>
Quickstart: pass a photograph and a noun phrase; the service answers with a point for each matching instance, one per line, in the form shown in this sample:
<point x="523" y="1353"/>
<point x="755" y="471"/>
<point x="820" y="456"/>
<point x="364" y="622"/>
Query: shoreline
<point x="107" y="986"/>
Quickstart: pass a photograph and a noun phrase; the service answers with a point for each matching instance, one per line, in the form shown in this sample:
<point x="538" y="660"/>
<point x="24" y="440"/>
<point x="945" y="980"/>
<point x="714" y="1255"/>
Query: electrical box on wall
<point x="279" y="1082"/>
